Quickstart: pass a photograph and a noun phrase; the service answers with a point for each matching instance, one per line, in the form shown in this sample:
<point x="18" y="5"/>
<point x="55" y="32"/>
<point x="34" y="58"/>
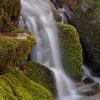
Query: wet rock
<point x="89" y="89"/>
<point x="64" y="8"/>
<point x="95" y="97"/>
<point x="70" y="3"/>
<point x="87" y="80"/>
<point x="56" y="14"/>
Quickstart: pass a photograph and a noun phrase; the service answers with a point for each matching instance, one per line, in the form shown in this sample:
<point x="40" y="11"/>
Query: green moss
<point x="9" y="14"/>
<point x="42" y="75"/>
<point x="20" y="30"/>
<point x="5" y="91"/>
<point x="15" y="86"/>
<point x="13" y="50"/>
<point x="71" y="51"/>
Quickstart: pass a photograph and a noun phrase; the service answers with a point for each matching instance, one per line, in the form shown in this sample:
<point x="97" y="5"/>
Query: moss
<point x="16" y="32"/>
<point x="15" y="86"/>
<point x="42" y="75"/>
<point x="5" y="91"/>
<point x="12" y="50"/>
<point x="9" y="14"/>
<point x="20" y="30"/>
<point x="71" y="51"/>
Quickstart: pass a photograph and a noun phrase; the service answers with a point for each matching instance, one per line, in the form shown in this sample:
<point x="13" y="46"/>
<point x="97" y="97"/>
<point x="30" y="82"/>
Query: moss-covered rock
<point x="14" y="49"/>
<point x="42" y="75"/>
<point x="9" y="14"/>
<point x="71" y="51"/>
<point x="15" y="86"/>
<point x="87" y="21"/>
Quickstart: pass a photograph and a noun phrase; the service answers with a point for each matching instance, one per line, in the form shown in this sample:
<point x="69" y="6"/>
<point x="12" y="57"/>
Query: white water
<point x="65" y="13"/>
<point x="37" y="18"/>
<point x="87" y="72"/>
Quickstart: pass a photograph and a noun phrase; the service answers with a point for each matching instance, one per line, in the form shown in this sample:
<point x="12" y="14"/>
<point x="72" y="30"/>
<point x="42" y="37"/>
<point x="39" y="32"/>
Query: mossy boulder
<point x="71" y="51"/>
<point x="14" y="49"/>
<point x="87" y="22"/>
<point x="9" y="14"/>
<point x="42" y="75"/>
<point x="15" y="86"/>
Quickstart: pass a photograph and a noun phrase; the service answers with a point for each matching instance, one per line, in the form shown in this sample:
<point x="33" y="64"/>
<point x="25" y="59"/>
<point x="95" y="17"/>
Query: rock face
<point x="70" y="3"/>
<point x="9" y="14"/>
<point x="71" y="51"/>
<point x="87" y="22"/>
<point x="56" y="14"/>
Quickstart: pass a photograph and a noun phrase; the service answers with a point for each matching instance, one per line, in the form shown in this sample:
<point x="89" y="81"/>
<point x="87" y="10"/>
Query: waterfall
<point x="36" y="16"/>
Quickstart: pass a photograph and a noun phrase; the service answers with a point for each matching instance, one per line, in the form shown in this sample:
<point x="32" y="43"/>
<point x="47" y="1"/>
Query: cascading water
<point x="37" y="18"/>
<point x="88" y="73"/>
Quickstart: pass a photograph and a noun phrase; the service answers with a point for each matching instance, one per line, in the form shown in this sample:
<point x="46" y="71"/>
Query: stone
<point x="71" y="51"/>
<point x="88" y="90"/>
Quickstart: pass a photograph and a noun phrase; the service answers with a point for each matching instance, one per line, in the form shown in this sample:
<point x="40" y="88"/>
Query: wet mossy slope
<point x="15" y="86"/>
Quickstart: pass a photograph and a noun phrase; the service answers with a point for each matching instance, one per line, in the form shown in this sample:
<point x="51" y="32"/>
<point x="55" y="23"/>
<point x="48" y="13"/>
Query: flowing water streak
<point x="88" y="73"/>
<point x="37" y="18"/>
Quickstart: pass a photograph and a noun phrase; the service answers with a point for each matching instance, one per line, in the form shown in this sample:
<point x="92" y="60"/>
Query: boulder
<point x="42" y="75"/>
<point x="71" y="51"/>
<point x="89" y="89"/>
<point x="87" y="80"/>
